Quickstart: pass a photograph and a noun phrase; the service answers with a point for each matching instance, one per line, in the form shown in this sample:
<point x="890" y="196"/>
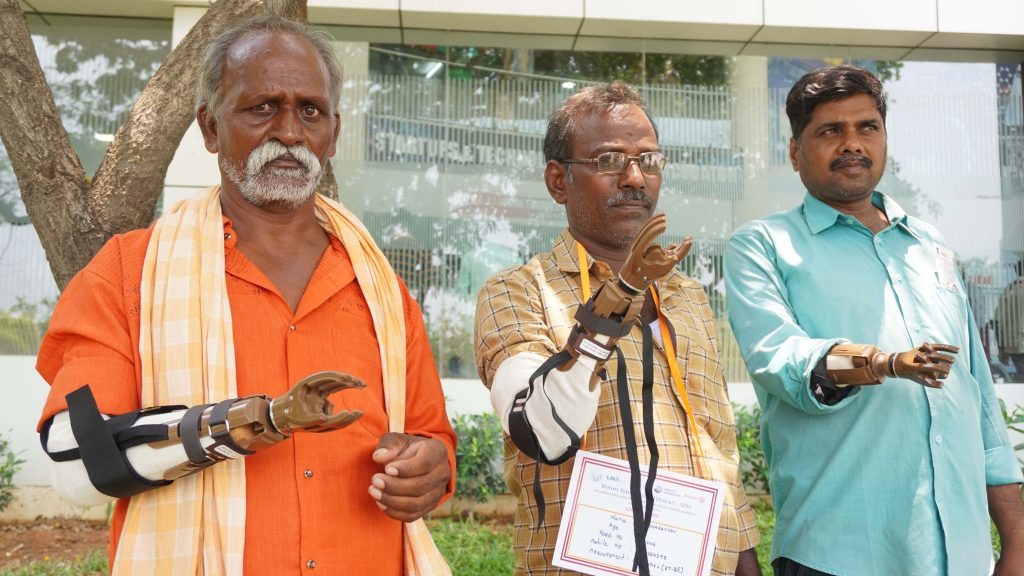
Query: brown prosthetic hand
<point x="257" y="422"/>
<point x="613" y="309"/>
<point x="864" y="364"/>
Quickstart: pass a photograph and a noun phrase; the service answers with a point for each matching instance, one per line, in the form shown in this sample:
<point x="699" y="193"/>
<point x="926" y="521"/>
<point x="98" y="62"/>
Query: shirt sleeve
<point x="1001" y="466"/>
<point x="779" y="354"/>
<point x="425" y="413"/>
<point x="510" y="320"/>
<point x="89" y="341"/>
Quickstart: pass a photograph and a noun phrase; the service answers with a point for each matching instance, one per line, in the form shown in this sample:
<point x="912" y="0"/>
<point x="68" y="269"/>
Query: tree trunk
<point x="73" y="218"/>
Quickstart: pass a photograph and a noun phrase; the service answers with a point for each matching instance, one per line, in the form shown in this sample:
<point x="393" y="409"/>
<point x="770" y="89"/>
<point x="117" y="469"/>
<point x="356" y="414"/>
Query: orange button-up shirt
<point x="307" y="506"/>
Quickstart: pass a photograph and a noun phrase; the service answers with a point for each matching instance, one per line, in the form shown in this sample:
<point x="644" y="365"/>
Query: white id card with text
<point x="945" y="268"/>
<point x="596" y="533"/>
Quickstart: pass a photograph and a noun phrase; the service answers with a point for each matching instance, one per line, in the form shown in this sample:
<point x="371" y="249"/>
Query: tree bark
<point x="51" y="178"/>
<point x="73" y="217"/>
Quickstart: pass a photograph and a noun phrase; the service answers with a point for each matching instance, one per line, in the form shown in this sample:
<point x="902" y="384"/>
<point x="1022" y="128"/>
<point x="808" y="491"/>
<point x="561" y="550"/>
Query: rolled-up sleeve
<point x="1001" y="465"/>
<point x="779" y="354"/>
<point x="89" y="341"/>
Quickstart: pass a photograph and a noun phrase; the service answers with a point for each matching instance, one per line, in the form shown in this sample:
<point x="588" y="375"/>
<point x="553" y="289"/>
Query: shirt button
<point x="308" y="473"/>
<point x="310" y="564"/>
<point x="878" y="240"/>
<point x="292" y="327"/>
<point x="938" y="439"/>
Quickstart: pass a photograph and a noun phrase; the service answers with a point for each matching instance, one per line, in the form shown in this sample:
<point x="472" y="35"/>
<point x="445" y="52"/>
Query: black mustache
<point x="629" y="195"/>
<point x="849" y="159"/>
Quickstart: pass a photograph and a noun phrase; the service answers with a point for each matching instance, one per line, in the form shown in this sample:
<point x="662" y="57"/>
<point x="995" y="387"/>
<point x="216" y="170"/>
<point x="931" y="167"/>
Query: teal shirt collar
<point x="820" y="216"/>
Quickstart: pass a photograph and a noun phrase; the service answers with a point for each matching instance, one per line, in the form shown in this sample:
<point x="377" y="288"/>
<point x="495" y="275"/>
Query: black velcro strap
<point x="601" y="324"/>
<point x="629" y="440"/>
<point x="60" y="456"/>
<point x="188" y="429"/>
<point x="647" y="392"/>
<point x="104" y="461"/>
<point x="519" y="429"/>
<point x="521" y="433"/>
<point x="824" y="388"/>
<point x="221" y="433"/>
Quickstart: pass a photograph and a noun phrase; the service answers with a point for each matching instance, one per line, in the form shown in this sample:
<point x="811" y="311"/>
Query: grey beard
<point x="260" y="185"/>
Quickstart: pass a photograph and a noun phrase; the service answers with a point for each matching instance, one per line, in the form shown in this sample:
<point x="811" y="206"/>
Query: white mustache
<point x="273" y="149"/>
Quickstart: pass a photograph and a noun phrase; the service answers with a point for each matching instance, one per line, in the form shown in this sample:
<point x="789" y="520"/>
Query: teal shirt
<point x="892" y="479"/>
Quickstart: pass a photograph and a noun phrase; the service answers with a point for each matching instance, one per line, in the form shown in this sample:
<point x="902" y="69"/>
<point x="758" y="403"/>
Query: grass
<point x="472" y="549"/>
<point x="93" y="564"/>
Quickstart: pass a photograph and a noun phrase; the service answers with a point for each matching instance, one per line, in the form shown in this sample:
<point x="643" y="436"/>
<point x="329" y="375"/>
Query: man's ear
<point x="208" y="126"/>
<point x="794" y="146"/>
<point x="556" y="179"/>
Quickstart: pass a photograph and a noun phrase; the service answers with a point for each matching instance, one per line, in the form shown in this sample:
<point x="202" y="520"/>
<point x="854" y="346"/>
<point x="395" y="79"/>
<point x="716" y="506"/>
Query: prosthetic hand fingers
<point x="306" y="406"/>
<point x="932" y="347"/>
<point x="648" y="261"/>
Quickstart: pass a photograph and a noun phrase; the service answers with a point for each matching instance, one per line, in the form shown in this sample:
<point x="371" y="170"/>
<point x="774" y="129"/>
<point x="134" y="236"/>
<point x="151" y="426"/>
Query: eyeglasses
<point x="650" y="163"/>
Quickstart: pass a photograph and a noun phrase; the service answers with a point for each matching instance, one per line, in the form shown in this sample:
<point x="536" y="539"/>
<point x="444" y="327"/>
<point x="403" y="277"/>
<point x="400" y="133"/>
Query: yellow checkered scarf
<point x="186" y="339"/>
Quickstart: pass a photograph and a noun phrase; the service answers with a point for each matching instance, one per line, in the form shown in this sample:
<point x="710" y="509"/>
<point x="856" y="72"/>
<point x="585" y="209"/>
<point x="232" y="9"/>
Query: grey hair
<point x="588" y="101"/>
<point x="210" y="87"/>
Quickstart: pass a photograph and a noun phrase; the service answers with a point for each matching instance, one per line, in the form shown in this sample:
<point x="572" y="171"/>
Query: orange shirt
<point x="307" y="507"/>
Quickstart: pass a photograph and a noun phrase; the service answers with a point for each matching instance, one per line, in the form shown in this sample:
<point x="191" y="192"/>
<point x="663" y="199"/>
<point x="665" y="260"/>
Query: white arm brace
<point x="71" y="480"/>
<point x="571" y="393"/>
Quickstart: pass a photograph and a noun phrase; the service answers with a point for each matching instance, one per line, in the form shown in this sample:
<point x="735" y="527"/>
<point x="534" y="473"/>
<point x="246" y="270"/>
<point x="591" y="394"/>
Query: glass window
<point x="96" y="68"/>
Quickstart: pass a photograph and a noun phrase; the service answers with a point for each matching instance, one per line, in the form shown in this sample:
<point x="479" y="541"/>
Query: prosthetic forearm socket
<point x="148" y="448"/>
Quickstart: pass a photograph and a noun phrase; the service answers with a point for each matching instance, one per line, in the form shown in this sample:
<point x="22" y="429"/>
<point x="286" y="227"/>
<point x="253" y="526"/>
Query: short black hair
<point x="830" y="83"/>
<point x="588" y="101"/>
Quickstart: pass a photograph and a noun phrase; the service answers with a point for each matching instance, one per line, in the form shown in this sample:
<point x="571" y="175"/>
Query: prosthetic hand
<point x="610" y="313"/>
<point x="95" y="459"/>
<point x="864" y="364"/>
<point x="570" y="390"/>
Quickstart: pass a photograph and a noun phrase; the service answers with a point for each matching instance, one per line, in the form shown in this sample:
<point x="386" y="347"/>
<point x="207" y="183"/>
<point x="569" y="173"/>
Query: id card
<point x="596" y="533"/>
<point x="945" y="269"/>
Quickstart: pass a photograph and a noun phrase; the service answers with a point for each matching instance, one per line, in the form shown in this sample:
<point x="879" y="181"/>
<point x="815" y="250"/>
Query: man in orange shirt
<point x="214" y="314"/>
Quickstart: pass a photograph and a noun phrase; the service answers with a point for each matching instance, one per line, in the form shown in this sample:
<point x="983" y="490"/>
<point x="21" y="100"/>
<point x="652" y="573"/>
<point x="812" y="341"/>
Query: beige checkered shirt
<point x="530" y="308"/>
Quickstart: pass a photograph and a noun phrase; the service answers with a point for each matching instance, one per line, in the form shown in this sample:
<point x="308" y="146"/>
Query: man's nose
<point x="287" y="127"/>
<point x="633" y="177"/>
<point x="851" y="143"/>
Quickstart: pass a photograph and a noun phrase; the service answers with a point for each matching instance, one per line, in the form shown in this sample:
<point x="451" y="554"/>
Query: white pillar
<point x="193" y="168"/>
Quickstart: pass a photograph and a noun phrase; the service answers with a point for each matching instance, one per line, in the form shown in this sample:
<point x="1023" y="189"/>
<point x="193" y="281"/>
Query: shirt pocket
<point x="949" y="313"/>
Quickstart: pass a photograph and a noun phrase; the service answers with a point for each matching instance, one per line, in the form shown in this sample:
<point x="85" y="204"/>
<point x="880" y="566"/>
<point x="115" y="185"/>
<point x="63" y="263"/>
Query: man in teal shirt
<point x="893" y="479"/>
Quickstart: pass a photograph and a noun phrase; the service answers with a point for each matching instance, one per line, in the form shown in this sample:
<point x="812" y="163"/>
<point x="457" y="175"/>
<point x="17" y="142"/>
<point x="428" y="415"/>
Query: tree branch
<point x="131" y="176"/>
<point x="51" y="178"/>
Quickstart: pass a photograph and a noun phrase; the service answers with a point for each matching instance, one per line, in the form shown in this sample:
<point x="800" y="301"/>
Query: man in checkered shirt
<point x="604" y="165"/>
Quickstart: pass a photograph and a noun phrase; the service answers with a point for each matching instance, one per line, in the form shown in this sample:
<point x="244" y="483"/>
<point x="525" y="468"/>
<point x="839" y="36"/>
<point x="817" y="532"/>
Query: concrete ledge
<point x="31" y="502"/>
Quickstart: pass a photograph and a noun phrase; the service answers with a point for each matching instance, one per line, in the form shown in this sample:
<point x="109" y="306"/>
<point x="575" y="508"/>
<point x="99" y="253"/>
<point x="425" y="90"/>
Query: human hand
<point x="928" y="364"/>
<point x="416" y="475"/>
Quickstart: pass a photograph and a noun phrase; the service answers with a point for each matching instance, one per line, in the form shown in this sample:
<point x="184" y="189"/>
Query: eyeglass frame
<point x="629" y="162"/>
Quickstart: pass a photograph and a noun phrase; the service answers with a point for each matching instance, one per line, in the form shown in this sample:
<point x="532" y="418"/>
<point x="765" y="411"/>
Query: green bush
<point x="9" y="466"/>
<point x="1015" y="423"/>
<point x="478" y="456"/>
<point x="753" y="467"/>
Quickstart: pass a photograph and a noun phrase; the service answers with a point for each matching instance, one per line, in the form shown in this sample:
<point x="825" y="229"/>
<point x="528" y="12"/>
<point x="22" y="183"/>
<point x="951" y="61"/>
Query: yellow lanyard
<point x="670" y="354"/>
<point x="677" y="377"/>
